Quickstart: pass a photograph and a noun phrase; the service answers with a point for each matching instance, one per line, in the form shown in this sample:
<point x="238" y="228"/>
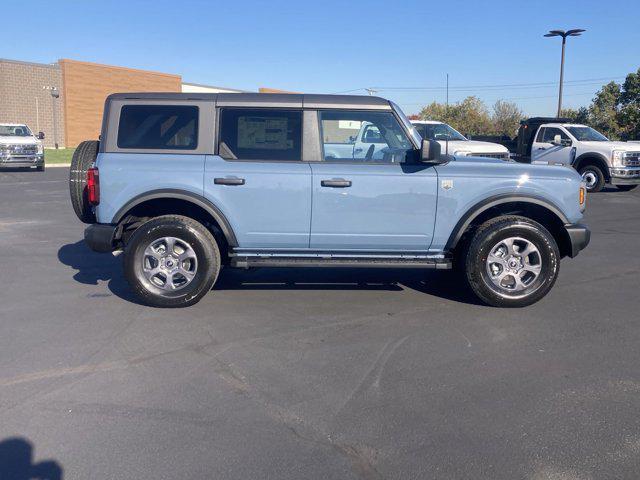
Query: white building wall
<point x="196" y="88"/>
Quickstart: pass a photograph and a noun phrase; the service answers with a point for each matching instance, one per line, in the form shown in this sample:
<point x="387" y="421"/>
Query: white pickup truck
<point x="593" y="155"/>
<point x="19" y="147"/>
<point x="454" y="143"/>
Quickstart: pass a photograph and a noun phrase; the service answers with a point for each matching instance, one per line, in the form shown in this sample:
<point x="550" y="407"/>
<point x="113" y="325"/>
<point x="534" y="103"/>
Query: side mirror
<point x="430" y="151"/>
<point x="40" y="135"/>
<point x="558" y="141"/>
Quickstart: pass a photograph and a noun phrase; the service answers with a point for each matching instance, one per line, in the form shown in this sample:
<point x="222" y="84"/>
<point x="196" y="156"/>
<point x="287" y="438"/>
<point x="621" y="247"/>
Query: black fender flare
<point x="495" y="201"/>
<point x="187" y="196"/>
<point x="599" y="159"/>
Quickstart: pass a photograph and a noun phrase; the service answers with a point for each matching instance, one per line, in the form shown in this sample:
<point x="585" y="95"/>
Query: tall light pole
<point x="576" y="32"/>
<point x="54" y="94"/>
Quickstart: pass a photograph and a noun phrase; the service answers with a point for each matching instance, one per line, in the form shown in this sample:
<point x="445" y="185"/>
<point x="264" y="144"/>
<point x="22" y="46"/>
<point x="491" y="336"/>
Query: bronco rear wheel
<point x="171" y="261"/>
<point x="83" y="158"/>
<point x="512" y="261"/>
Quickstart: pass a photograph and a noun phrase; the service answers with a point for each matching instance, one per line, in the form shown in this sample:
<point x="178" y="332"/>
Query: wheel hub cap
<point x="513" y="264"/>
<point x="589" y="178"/>
<point x="169" y="263"/>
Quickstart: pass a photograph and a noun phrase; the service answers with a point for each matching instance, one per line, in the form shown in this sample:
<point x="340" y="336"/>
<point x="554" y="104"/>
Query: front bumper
<point x="100" y="237"/>
<point x="579" y="237"/>
<point x="20" y="161"/>
<point x="625" y="175"/>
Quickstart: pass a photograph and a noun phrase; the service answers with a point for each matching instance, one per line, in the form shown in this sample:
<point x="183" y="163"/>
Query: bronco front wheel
<point x="171" y="261"/>
<point x="512" y="261"/>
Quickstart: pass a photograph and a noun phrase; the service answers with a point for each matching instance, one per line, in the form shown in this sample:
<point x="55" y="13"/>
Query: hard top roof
<point x="278" y="100"/>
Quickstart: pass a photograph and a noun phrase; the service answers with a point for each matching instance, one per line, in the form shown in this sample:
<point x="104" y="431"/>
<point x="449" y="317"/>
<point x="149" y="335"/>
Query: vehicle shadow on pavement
<point x="439" y="284"/>
<point x="95" y="267"/>
<point x="16" y="462"/>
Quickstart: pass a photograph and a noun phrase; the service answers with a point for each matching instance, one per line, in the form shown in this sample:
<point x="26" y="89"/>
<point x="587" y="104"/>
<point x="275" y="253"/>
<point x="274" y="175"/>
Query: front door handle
<point x="541" y="148"/>
<point x="228" y="181"/>
<point x="336" y="183"/>
<point x="357" y="150"/>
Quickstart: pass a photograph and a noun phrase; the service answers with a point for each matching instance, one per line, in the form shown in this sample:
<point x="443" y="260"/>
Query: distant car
<point x="456" y="143"/>
<point x="19" y="147"/>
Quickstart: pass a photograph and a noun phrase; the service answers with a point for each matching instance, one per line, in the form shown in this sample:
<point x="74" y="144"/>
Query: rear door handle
<point x="336" y="183"/>
<point x="541" y="148"/>
<point x="228" y="181"/>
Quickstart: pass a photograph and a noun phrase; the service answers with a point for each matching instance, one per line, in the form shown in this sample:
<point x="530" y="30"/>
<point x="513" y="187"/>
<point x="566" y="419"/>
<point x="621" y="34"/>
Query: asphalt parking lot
<point x="305" y="374"/>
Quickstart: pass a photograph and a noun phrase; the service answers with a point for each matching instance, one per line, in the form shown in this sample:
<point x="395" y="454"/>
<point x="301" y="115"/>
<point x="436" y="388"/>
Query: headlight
<point x="617" y="158"/>
<point x="40" y="149"/>
<point x="462" y="153"/>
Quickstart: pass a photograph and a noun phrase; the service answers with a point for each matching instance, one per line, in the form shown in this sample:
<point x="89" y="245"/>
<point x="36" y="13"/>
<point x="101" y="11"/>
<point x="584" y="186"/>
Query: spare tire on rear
<point x="83" y="158"/>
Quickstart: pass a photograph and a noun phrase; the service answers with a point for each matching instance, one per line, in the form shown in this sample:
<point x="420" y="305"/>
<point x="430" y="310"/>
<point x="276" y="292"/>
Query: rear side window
<point x="260" y="134"/>
<point x="158" y="127"/>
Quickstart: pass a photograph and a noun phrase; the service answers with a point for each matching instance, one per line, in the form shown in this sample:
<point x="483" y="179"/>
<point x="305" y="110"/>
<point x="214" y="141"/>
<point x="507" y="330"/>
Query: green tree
<point x="603" y="111"/>
<point x="506" y="118"/>
<point x="629" y="114"/>
<point x="469" y="116"/>
<point x="581" y="115"/>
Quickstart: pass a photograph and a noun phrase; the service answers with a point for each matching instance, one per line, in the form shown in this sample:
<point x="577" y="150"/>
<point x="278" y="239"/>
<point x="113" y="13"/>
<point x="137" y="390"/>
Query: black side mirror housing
<point x="40" y="135"/>
<point x="430" y="152"/>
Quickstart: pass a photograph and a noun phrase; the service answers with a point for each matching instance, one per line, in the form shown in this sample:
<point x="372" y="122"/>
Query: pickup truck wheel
<point x="171" y="261"/>
<point x="593" y="178"/>
<point x="82" y="159"/>
<point x="626" y="188"/>
<point x="512" y="261"/>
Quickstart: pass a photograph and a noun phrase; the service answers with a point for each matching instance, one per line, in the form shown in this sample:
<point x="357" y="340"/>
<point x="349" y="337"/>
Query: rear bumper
<point x="579" y="236"/>
<point x="625" y="175"/>
<point x="100" y="237"/>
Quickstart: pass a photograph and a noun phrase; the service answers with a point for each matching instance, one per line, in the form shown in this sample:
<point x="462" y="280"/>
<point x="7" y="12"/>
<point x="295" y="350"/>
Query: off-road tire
<point x="626" y="188"/>
<point x="597" y="172"/>
<point x="196" y="236"/>
<point x="492" y="232"/>
<point x="83" y="158"/>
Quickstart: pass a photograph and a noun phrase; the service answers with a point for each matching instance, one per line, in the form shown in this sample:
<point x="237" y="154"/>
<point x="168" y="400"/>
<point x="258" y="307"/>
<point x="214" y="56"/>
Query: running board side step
<point x="283" y="261"/>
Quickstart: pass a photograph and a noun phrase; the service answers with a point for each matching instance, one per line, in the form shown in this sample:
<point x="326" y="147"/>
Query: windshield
<point x="407" y="124"/>
<point x="15" y="131"/>
<point x="587" y="134"/>
<point x="439" y="131"/>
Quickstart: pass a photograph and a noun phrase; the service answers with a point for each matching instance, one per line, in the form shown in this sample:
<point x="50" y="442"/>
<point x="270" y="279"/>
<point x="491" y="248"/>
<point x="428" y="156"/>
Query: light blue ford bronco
<point x="187" y="183"/>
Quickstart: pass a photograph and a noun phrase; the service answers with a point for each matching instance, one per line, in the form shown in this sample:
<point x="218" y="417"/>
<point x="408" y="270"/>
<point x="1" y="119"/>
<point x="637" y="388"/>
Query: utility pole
<point x="54" y="94"/>
<point x="576" y="32"/>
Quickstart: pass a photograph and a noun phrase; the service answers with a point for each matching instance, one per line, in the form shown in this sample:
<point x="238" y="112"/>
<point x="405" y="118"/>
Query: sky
<point x="403" y="49"/>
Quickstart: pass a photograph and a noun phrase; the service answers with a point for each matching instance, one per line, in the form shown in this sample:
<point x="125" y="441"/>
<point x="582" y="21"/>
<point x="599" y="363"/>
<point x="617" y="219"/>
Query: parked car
<point x="453" y="142"/>
<point x="187" y="183"/>
<point x="19" y="147"/>
<point x="558" y="141"/>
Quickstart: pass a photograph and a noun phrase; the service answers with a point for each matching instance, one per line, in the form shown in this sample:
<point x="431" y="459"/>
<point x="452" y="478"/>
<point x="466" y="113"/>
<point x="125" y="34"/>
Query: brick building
<point x="23" y="99"/>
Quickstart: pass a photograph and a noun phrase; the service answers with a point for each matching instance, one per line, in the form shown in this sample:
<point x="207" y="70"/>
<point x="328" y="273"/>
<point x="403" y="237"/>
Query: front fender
<point x="473" y="187"/>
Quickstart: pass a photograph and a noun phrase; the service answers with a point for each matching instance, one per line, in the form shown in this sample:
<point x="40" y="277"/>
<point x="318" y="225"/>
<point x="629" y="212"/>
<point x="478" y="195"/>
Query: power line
<point x="582" y="82"/>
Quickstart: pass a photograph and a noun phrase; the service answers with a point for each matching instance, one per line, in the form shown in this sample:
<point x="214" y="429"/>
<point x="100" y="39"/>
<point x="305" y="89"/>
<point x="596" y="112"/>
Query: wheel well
<point x="538" y="213"/>
<point x="156" y="207"/>
<point x="595" y="161"/>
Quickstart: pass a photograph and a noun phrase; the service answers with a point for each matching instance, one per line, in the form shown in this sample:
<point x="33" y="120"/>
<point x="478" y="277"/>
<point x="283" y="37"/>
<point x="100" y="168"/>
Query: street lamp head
<point x="576" y="32"/>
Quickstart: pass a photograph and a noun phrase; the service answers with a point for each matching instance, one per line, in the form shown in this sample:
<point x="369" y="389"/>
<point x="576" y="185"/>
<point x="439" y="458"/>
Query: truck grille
<point x="19" y="150"/>
<point x="632" y="159"/>
<point x="501" y="155"/>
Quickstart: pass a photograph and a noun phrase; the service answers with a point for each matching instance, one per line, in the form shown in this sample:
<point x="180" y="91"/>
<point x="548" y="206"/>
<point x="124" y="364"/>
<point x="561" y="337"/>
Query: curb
<point x="57" y="165"/>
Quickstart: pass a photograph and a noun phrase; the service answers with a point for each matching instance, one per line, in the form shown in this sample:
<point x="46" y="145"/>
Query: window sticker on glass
<point x="264" y="132"/>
